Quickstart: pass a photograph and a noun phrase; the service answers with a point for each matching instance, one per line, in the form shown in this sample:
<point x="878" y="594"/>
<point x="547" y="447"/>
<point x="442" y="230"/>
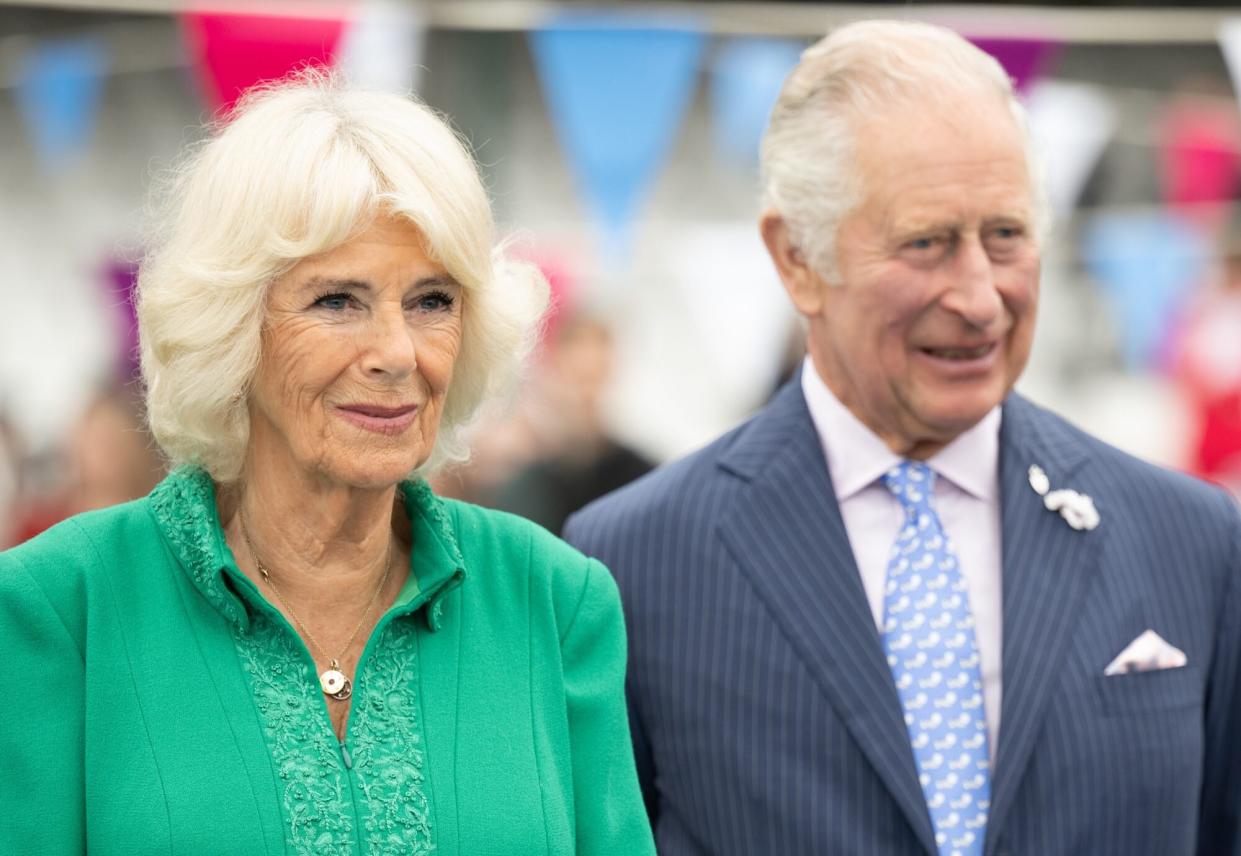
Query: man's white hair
<point x="809" y="164"/>
<point x="298" y="168"/>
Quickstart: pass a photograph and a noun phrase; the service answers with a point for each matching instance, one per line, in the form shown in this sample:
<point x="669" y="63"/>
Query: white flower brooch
<point x="1077" y="509"/>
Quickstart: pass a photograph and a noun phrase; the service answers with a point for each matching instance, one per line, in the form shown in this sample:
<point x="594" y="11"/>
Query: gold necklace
<point x="333" y="681"/>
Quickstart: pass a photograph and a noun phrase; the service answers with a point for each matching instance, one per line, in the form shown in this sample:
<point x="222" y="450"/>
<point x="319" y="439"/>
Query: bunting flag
<point x="617" y="87"/>
<point x="1146" y="264"/>
<point x="746" y="77"/>
<point x="1071" y="125"/>
<point x="1200" y="157"/>
<point x="1025" y="60"/>
<point x="234" y="51"/>
<point x="59" y="84"/>
<point x="382" y="48"/>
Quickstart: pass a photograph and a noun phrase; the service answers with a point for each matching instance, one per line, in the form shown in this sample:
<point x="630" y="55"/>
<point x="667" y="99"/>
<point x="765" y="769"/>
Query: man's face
<point x="930" y="323"/>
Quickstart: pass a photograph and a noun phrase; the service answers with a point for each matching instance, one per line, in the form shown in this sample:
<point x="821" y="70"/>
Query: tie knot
<point x="911" y="482"/>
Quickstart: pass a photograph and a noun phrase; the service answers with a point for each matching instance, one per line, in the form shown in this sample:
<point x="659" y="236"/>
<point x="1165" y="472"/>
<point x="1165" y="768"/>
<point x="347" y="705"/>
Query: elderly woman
<point x="291" y="645"/>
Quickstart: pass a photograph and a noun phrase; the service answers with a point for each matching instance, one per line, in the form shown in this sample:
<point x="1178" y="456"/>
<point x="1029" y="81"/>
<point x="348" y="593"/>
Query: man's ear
<point x="804" y="285"/>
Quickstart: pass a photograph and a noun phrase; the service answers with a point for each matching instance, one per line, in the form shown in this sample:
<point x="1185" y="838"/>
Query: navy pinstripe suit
<point x="764" y="715"/>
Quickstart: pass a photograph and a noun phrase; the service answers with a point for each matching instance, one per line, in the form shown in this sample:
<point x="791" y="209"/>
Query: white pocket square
<point x="1148" y="653"/>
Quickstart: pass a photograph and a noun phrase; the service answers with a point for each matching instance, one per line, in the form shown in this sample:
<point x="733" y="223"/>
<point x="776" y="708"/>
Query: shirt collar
<point x="856" y="457"/>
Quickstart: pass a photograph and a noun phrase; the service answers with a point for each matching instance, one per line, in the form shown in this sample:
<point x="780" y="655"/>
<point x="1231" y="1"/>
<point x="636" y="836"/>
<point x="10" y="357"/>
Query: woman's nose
<point x="389" y="349"/>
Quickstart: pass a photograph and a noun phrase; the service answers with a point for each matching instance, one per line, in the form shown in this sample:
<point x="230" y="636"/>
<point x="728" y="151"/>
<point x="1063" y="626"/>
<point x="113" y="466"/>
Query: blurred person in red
<point x="1209" y="364"/>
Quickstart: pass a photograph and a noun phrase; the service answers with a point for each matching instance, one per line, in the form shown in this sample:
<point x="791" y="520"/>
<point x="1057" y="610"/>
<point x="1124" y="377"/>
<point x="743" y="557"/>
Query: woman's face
<point x="357" y="355"/>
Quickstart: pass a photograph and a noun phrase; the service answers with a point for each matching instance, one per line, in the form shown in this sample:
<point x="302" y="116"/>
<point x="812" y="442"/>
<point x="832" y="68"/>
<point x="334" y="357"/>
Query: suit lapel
<point x="786" y="533"/>
<point x="1047" y="568"/>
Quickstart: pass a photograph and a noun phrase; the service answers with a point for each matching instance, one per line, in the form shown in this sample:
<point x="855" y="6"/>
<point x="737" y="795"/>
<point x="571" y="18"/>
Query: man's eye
<point x="335" y="302"/>
<point x="924" y="245"/>
<point x="1004" y="241"/>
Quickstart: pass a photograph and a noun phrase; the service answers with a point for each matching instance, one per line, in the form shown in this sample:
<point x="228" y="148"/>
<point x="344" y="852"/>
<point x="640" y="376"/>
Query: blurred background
<point x="620" y="145"/>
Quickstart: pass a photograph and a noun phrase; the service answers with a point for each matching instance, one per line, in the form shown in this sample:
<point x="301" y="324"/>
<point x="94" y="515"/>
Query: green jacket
<point x="156" y="703"/>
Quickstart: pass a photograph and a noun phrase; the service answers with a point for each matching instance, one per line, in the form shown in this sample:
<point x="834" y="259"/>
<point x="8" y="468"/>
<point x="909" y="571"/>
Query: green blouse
<point x="156" y="703"/>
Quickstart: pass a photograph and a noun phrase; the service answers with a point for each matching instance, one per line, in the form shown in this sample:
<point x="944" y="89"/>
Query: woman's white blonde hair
<point x="808" y="165"/>
<point x="296" y="169"/>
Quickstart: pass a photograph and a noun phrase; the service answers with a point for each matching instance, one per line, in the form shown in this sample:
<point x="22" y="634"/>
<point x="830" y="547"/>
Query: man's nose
<point x="972" y="293"/>
<point x="389" y="348"/>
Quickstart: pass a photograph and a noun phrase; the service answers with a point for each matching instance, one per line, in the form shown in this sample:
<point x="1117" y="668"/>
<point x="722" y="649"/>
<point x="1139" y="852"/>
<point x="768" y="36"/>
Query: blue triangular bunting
<point x="58" y="89"/>
<point x="746" y="76"/>
<point x="617" y="87"/>
<point x="1145" y="263"/>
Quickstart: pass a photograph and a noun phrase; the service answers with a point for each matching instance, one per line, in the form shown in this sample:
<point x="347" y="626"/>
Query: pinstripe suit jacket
<point x="764" y="715"/>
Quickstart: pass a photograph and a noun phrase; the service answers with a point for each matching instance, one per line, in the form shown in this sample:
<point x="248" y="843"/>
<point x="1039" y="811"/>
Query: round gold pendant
<point x="335" y="684"/>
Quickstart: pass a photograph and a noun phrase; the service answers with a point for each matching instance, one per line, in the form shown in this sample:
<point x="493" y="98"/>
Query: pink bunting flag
<point x="1200" y="158"/>
<point x="236" y="50"/>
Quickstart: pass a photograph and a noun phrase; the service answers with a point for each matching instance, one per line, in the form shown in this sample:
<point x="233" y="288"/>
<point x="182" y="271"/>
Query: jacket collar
<point x="184" y="507"/>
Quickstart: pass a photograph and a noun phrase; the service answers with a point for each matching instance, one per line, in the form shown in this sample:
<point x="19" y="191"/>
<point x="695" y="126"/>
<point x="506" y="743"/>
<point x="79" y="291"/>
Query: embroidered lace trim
<point x="385" y="739"/>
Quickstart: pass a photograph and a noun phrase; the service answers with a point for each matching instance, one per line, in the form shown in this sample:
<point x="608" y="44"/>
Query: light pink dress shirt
<point x="967" y="498"/>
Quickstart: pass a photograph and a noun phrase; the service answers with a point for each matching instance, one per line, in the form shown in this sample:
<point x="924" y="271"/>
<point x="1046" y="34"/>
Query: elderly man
<point x="903" y="610"/>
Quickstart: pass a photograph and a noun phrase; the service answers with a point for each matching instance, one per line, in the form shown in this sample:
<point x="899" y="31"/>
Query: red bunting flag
<point x="235" y="50"/>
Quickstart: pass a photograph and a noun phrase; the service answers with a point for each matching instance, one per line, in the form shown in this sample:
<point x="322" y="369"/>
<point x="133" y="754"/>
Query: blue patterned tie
<point x="928" y="637"/>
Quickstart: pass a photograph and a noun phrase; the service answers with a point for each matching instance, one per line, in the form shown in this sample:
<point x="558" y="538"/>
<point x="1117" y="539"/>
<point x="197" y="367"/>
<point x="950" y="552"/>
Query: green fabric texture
<point x="165" y="707"/>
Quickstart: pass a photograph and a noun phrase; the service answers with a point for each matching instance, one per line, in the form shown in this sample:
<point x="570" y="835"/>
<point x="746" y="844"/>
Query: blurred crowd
<point x="108" y="457"/>
<point x="551" y="454"/>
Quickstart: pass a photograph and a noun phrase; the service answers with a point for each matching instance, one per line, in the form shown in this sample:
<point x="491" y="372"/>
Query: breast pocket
<point x="1151" y="692"/>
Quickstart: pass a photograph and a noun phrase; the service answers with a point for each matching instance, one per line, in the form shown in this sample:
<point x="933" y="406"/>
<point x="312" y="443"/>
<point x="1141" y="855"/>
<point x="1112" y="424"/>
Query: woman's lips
<point x="380" y="420"/>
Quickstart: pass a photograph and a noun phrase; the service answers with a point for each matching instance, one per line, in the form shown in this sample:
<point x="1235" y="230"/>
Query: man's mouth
<point x="961" y="353"/>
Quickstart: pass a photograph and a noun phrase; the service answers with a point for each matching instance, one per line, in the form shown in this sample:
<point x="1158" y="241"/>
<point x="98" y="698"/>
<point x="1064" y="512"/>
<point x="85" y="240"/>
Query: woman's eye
<point x="334" y="302"/>
<point x="433" y="301"/>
